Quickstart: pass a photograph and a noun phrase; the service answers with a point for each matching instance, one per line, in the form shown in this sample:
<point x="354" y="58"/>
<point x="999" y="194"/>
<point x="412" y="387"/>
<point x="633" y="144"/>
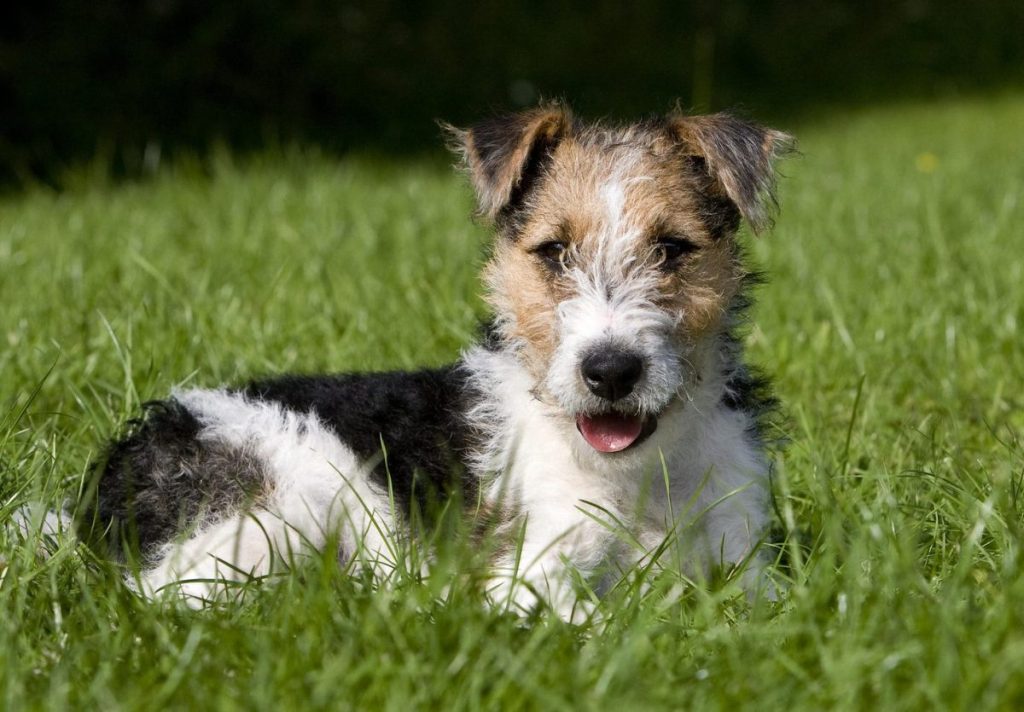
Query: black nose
<point x="611" y="374"/>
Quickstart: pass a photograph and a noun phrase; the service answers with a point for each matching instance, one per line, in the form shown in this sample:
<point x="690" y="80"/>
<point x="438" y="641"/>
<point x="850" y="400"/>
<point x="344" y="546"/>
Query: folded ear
<point x="504" y="154"/>
<point x="739" y="157"/>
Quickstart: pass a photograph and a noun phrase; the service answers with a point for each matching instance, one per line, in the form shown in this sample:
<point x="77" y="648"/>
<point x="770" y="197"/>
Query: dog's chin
<point x="612" y="432"/>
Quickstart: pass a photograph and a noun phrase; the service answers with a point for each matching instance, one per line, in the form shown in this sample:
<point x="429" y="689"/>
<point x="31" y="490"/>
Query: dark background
<point x="88" y="79"/>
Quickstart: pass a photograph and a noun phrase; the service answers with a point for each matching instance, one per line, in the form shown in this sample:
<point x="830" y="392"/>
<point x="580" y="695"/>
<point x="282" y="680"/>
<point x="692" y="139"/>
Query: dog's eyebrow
<point x="662" y="227"/>
<point x="549" y="229"/>
<point x="560" y="230"/>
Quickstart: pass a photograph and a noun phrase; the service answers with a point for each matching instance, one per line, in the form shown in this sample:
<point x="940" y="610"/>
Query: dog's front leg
<point x="546" y="568"/>
<point x="545" y="586"/>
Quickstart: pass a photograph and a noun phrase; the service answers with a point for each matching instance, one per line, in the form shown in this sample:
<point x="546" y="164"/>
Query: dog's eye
<point x="671" y="250"/>
<point x="554" y="254"/>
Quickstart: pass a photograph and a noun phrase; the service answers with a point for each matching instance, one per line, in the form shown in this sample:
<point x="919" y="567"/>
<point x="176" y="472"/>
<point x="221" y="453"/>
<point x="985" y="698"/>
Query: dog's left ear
<point x="739" y="156"/>
<point x="504" y="154"/>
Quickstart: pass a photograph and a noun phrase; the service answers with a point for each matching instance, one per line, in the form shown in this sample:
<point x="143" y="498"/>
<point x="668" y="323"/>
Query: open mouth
<point x="615" y="432"/>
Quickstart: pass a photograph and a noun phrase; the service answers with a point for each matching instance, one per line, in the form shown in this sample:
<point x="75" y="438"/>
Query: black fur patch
<point x="716" y="211"/>
<point x="490" y="335"/>
<point x="747" y="389"/>
<point x="536" y="161"/>
<point x="160" y="479"/>
<point x="751" y="392"/>
<point x="417" y="417"/>
<point x="494" y="141"/>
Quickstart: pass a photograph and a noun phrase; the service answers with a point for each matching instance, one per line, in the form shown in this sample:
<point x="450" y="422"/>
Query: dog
<point x="610" y="379"/>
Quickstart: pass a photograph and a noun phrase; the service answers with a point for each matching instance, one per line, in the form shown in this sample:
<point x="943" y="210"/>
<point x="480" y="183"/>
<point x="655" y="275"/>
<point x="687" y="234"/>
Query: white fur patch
<point x="32" y="519"/>
<point x="318" y="488"/>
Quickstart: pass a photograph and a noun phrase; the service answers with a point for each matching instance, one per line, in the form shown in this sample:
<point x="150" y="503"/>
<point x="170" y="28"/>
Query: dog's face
<point x="616" y="258"/>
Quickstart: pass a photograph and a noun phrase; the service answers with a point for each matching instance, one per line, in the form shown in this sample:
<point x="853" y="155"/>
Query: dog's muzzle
<point x="611" y="373"/>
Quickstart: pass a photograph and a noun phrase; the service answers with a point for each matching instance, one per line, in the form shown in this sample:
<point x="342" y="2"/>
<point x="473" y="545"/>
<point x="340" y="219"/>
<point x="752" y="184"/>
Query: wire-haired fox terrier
<point x="609" y="386"/>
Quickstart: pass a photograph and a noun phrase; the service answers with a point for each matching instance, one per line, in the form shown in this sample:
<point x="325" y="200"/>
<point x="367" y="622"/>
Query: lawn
<point x="892" y="322"/>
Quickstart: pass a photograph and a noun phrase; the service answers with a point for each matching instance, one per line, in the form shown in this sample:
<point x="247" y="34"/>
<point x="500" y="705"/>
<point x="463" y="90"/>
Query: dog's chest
<point x="594" y="513"/>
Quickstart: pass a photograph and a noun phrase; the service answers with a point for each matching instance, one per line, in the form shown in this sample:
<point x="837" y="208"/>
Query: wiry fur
<point x="215" y="486"/>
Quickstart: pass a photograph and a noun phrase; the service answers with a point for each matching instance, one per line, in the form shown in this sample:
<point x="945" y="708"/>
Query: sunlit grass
<point x="892" y="322"/>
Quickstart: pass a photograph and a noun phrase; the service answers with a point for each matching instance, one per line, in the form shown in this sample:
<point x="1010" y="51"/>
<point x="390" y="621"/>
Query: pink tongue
<point x="611" y="432"/>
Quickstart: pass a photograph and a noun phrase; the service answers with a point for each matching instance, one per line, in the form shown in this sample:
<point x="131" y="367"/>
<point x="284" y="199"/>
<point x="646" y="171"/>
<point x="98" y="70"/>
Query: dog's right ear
<point x="504" y="155"/>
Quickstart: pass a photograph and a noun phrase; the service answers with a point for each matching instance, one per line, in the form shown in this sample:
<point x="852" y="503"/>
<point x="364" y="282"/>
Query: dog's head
<point x="616" y="259"/>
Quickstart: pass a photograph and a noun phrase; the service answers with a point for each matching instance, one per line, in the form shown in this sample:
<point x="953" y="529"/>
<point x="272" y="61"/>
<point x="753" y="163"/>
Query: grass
<point x="892" y="322"/>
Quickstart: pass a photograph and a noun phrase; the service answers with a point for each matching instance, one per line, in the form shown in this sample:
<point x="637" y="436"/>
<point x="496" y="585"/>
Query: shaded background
<point x="127" y="82"/>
